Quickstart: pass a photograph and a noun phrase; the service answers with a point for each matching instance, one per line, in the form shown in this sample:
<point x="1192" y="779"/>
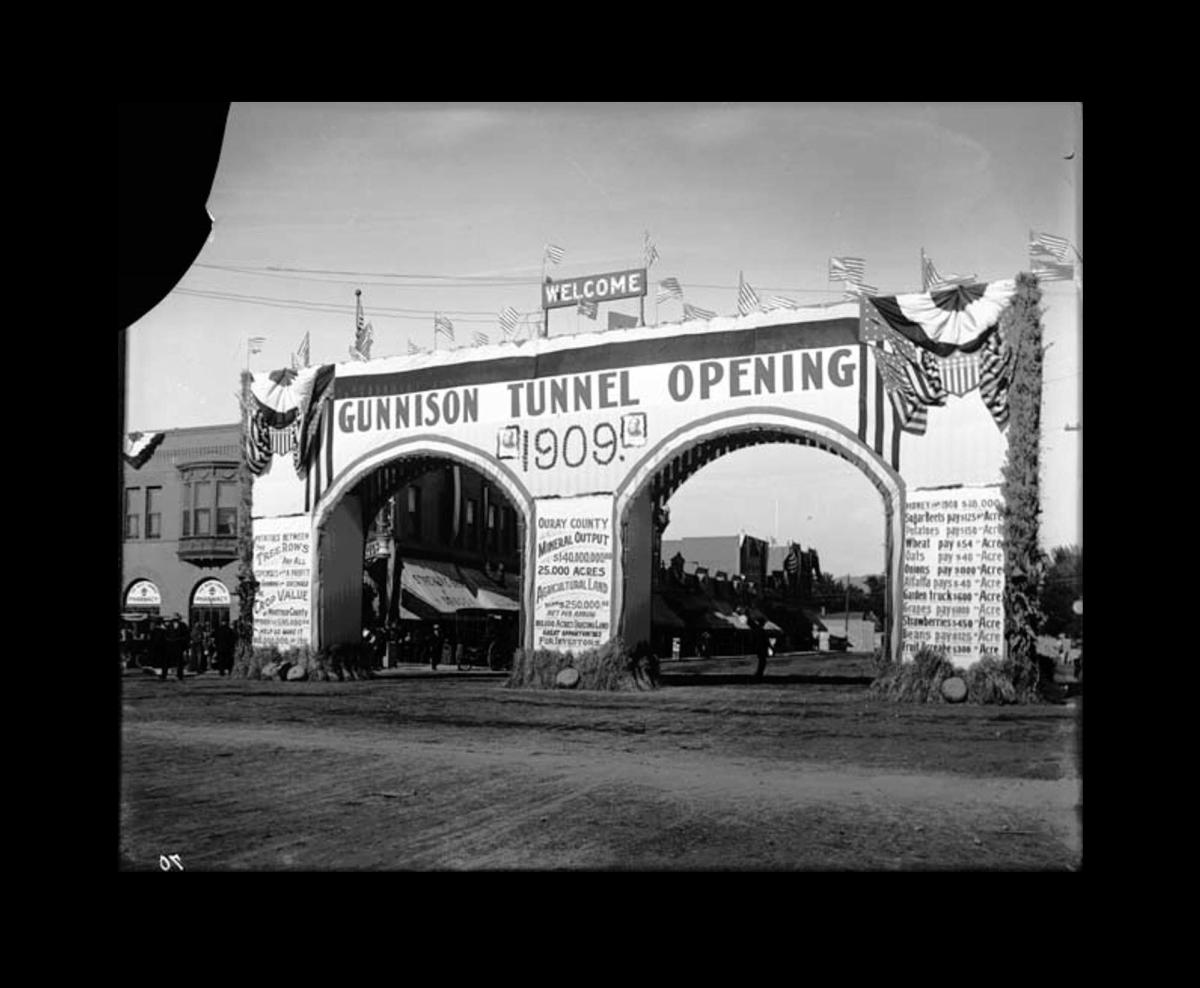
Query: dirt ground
<point x="420" y="771"/>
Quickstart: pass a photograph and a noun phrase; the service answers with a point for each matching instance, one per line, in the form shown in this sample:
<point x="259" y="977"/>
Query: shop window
<point x="187" y="510"/>
<point x="226" y="508"/>
<point x="132" y="513"/>
<point x="202" y="507"/>
<point x="154" y="512"/>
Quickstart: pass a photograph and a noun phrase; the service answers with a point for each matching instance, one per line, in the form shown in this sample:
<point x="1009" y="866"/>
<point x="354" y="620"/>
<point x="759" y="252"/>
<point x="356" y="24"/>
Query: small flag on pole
<point x="554" y="254"/>
<point x="444" y="327"/>
<point x="589" y="307"/>
<point x="847" y="269"/>
<point x="931" y="280"/>
<point x="1045" y="243"/>
<point x="649" y="251"/>
<point x="480" y="339"/>
<point x="254" y="344"/>
<point x="413" y="348"/>
<point x="669" y="288"/>
<point x="1051" y="270"/>
<point x="857" y="290"/>
<point x="508" y="320"/>
<point x="695" y="312"/>
<point x="364" y="333"/>
<point x="747" y="297"/>
<point x="304" y="353"/>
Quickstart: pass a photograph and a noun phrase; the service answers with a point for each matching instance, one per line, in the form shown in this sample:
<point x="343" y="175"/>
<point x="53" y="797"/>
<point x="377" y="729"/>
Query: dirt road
<point x="459" y="773"/>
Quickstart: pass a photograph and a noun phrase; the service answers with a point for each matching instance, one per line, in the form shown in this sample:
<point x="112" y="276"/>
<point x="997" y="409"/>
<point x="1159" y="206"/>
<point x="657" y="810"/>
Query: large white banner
<point x="573" y="575"/>
<point x="283" y="567"/>
<point x="954" y="573"/>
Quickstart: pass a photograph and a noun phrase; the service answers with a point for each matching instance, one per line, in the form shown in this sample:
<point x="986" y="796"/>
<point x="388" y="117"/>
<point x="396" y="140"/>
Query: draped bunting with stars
<point x="283" y="415"/>
<point x="934" y="344"/>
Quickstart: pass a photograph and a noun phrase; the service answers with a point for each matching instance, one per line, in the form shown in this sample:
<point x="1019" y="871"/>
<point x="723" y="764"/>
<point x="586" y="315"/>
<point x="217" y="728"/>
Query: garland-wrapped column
<point x="1023" y="567"/>
<point x="247" y="585"/>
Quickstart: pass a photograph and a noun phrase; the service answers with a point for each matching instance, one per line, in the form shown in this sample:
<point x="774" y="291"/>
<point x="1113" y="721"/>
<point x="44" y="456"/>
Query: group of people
<point x="436" y="646"/>
<point x="170" y="644"/>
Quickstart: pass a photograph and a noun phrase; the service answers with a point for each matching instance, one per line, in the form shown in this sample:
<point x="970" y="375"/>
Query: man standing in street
<point x="177" y="643"/>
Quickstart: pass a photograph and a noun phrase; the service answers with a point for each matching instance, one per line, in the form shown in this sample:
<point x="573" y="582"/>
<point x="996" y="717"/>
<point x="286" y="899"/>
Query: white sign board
<point x="283" y="568"/>
<point x="211" y="593"/>
<point x="954" y="573"/>
<point x="573" y="575"/>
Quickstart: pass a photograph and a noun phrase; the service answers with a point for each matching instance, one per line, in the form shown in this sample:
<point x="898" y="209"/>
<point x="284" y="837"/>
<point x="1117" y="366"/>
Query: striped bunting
<point x="554" y="254"/>
<point x="695" y="312"/>
<point x="669" y="288"/>
<point x="589" y="307"/>
<point x="747" y="299"/>
<point x="847" y="269"/>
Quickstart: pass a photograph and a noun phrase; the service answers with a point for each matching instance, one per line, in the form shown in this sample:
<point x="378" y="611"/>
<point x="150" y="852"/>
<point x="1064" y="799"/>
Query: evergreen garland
<point x="1023" y="562"/>
<point x="247" y="585"/>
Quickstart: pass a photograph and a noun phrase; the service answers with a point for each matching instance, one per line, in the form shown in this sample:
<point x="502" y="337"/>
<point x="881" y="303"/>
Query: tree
<point x="1062" y="586"/>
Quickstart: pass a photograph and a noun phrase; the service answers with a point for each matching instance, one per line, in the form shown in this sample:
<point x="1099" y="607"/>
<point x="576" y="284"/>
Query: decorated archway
<point x="582" y="433"/>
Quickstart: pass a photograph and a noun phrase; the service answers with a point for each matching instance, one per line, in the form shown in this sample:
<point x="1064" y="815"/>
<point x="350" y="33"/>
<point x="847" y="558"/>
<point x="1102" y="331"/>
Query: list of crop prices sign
<point x="283" y="568"/>
<point x="572" y="608"/>
<point x="954" y="573"/>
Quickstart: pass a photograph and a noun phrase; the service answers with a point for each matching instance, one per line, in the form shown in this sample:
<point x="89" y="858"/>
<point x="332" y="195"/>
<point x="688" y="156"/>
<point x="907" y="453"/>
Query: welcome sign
<point x="594" y="288"/>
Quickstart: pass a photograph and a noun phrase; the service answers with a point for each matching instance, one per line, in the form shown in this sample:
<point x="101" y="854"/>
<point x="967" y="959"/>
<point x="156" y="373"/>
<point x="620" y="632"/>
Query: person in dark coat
<point x="226" y="640"/>
<point x="158" y="648"/>
<point x="759" y="633"/>
<point x="177" y="645"/>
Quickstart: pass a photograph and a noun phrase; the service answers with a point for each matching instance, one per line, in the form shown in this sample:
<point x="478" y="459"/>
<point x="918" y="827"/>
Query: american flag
<point x="1048" y="269"/>
<point x="669" y="288"/>
<point x="695" y="312"/>
<point x="589" y="307"/>
<point x="304" y="353"/>
<point x="413" y="348"/>
<point x="649" y="251"/>
<point x="443" y="326"/>
<point x="747" y="299"/>
<point x="791" y="563"/>
<point x="554" y="254"/>
<point x="913" y="415"/>
<point x="847" y="269"/>
<point x="480" y="339"/>
<point x="856" y="289"/>
<point x="931" y="280"/>
<point x="1045" y="243"/>
<point x="996" y="363"/>
<point x="508" y="320"/>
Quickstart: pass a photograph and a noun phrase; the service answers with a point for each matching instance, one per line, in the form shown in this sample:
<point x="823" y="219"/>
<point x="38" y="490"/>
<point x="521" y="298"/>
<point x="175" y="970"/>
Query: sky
<point x="446" y="208"/>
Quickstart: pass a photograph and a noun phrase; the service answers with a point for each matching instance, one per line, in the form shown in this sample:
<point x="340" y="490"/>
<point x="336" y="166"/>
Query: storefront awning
<point x="435" y="587"/>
